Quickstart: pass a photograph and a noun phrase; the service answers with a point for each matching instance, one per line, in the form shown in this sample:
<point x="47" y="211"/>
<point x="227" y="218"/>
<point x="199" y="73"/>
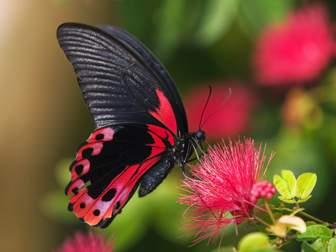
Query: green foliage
<point x="319" y="246"/>
<point x="303" y="152"/>
<point x="294" y="190"/>
<point x="318" y="238"/>
<point x="170" y="18"/>
<point x="207" y="22"/>
<point x="256" y="14"/>
<point x="224" y="249"/>
<point x="217" y="19"/>
<point x="62" y="172"/>
<point x="54" y="204"/>
<point x="305" y="185"/>
<point x="286" y="185"/>
<point x="315" y="232"/>
<point x="332" y="245"/>
<point x="158" y="210"/>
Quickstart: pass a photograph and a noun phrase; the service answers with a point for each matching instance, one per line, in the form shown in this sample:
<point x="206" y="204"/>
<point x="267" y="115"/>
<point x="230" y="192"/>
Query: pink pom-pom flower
<point x="225" y="187"/>
<point x="85" y="243"/>
<point x="295" y="51"/>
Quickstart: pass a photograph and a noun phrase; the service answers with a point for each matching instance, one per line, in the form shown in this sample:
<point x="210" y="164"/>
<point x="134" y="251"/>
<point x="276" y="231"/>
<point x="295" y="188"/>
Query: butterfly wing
<point x="121" y="81"/>
<point x="138" y="114"/>
<point x="108" y="168"/>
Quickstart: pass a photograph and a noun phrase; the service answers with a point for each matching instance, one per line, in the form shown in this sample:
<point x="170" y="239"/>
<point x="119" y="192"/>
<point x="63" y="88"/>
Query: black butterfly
<point x="141" y="126"/>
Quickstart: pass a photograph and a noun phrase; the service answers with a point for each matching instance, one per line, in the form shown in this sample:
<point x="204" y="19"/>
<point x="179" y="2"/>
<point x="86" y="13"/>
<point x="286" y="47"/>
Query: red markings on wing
<point x="165" y="113"/>
<point x="80" y="168"/>
<point x="159" y="133"/>
<point x="113" y="198"/>
<point x="95" y="142"/>
<point x="82" y="165"/>
<point x="124" y="184"/>
<point x="104" y="134"/>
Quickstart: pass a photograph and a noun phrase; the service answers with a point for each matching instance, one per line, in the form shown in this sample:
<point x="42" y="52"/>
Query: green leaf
<point x="289" y="177"/>
<point x="305" y="185"/>
<point x="286" y="186"/>
<point x="281" y="186"/>
<point x="294" y="190"/>
<point x="254" y="242"/>
<point x="315" y="232"/>
<point x="218" y="18"/>
<point x="332" y="245"/>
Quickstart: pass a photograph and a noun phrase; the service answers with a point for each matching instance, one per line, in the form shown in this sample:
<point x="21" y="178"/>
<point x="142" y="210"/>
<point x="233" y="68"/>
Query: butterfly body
<point x="141" y="128"/>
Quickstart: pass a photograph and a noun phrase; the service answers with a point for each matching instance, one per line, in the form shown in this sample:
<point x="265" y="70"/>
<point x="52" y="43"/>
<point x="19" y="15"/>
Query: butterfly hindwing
<point x="108" y="169"/>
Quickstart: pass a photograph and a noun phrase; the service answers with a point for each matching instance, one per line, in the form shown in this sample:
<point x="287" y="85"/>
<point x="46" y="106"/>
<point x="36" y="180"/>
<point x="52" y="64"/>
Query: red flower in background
<point x="224" y="188"/>
<point x="85" y="243"/>
<point x="296" y="50"/>
<point x="227" y="113"/>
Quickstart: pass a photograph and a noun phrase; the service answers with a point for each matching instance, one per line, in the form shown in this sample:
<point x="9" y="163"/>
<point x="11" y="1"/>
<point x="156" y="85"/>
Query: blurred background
<point x="271" y="66"/>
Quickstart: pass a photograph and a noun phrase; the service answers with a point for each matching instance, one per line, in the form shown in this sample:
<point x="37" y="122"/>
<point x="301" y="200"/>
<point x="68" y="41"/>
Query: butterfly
<point x="141" y="127"/>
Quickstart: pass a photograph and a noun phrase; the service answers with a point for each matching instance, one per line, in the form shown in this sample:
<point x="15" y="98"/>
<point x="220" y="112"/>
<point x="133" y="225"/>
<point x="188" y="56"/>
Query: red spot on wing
<point x="95" y="147"/>
<point x="105" y="134"/>
<point x="165" y="112"/>
<point x="85" y="164"/>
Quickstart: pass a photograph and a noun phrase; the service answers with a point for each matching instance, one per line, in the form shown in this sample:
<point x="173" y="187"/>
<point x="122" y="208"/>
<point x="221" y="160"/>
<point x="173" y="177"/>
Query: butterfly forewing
<point x="156" y="69"/>
<point x="118" y="76"/>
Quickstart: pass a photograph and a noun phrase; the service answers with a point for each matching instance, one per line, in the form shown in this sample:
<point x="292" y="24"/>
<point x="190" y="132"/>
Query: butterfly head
<point x="199" y="136"/>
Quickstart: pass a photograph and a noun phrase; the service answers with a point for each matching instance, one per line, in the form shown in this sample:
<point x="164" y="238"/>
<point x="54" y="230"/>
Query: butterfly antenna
<point x="215" y="112"/>
<point x="204" y="108"/>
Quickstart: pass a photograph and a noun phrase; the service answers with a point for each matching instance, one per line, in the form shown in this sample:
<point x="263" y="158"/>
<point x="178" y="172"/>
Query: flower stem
<point x="290" y="210"/>
<point x="269" y="211"/>
<point x="262" y="221"/>
<point x="307" y="215"/>
<point x="300" y="211"/>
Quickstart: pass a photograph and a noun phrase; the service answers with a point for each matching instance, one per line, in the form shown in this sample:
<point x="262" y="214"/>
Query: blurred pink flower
<point x="227" y="113"/>
<point x="224" y="188"/>
<point x="296" y="50"/>
<point x="85" y="243"/>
